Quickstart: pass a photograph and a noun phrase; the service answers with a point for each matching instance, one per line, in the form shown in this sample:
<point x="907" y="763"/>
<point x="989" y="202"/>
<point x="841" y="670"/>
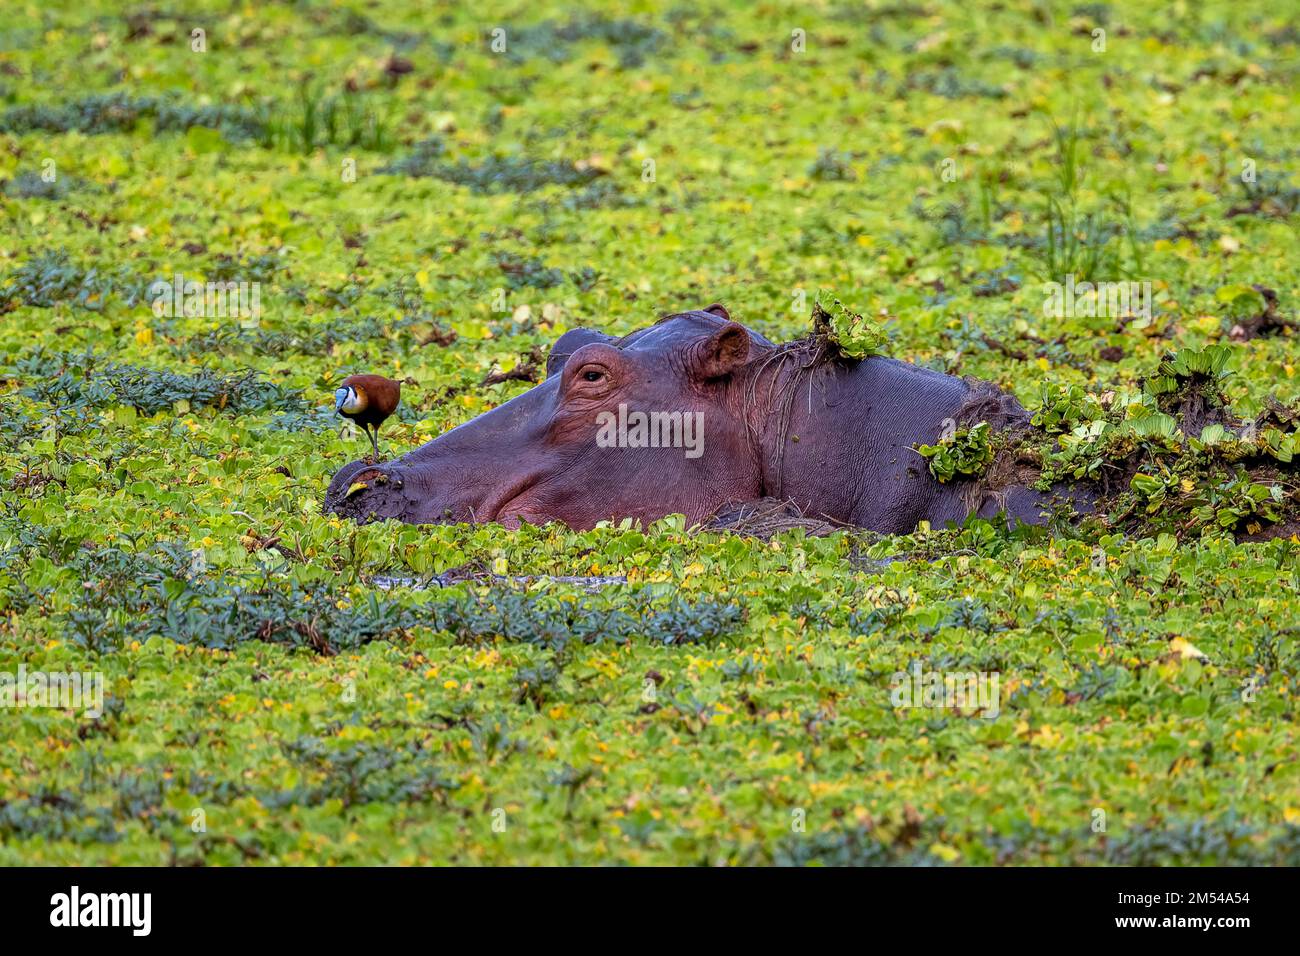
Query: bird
<point x="368" y="400"/>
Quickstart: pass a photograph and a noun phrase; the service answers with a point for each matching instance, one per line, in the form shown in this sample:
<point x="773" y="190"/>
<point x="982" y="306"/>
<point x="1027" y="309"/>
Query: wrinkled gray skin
<point x="845" y="452"/>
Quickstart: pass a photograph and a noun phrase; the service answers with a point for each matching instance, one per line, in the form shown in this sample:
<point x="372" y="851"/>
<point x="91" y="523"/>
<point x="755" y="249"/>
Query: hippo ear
<point x="719" y="310"/>
<point x="568" y="343"/>
<point x="722" y="352"/>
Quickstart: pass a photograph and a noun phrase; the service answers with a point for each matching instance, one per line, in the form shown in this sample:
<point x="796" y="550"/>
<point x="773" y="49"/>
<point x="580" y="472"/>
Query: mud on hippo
<point x="694" y="414"/>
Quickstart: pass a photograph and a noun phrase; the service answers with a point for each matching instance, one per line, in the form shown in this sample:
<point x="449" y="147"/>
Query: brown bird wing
<point x="382" y="395"/>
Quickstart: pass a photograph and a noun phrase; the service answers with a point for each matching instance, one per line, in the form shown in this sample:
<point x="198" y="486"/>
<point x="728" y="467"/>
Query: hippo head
<point x="642" y="426"/>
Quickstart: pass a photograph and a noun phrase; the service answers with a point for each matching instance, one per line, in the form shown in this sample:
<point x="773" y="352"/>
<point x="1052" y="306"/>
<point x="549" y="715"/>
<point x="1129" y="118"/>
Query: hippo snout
<point x="366" y="492"/>
<point x="342" y="479"/>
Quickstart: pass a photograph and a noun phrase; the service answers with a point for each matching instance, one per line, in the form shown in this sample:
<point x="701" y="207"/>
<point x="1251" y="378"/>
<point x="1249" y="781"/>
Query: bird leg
<point x="373" y="432"/>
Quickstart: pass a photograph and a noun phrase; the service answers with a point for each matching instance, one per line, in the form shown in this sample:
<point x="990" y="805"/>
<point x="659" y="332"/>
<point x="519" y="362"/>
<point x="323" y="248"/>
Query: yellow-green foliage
<point x="415" y="204"/>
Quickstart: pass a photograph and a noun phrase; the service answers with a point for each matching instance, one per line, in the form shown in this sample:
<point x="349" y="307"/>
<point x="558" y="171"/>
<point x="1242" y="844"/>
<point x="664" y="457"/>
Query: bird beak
<point x="340" y="398"/>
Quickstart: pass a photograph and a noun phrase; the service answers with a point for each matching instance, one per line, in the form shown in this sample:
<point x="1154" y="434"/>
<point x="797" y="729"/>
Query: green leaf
<point x="851" y="334"/>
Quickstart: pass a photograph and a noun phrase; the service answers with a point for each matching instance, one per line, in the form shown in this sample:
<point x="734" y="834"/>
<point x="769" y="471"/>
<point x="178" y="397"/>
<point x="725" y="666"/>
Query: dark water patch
<point x="32" y="185"/>
<point x="51" y="278"/>
<point x="632" y="42"/>
<point x="85" y="379"/>
<point x="1222" y="841"/>
<point x="128" y="596"/>
<point x="493" y="174"/>
<point x="103" y="113"/>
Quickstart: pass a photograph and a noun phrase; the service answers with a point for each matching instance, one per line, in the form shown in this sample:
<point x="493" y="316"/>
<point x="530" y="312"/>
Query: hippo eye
<point x="592" y="378"/>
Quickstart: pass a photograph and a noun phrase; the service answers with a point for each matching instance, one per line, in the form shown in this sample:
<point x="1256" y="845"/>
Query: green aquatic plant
<point x="966" y="453"/>
<point x="845" y="331"/>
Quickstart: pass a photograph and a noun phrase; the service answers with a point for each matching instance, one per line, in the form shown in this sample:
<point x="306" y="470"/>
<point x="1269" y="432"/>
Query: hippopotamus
<point x="693" y="414"/>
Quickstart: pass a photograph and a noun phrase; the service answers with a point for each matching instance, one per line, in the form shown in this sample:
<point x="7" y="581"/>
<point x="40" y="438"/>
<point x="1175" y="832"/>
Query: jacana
<point x="368" y="400"/>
